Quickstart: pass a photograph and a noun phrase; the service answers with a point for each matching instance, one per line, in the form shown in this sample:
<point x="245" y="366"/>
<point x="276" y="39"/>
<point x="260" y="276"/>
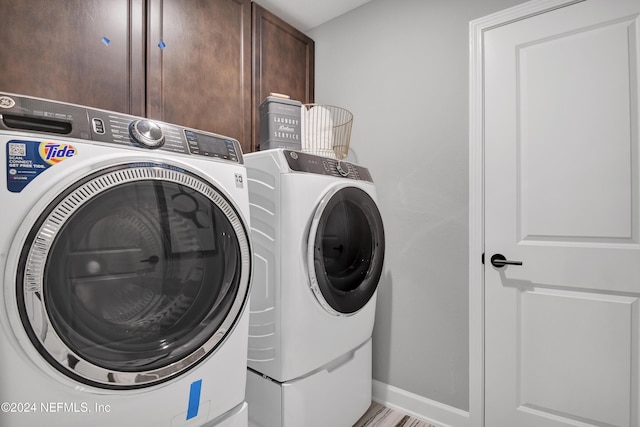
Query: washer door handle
<point x="499" y="261"/>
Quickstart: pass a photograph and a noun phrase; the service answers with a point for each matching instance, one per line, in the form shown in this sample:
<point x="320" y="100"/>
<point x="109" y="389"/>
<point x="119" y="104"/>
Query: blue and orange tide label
<point x="28" y="159"/>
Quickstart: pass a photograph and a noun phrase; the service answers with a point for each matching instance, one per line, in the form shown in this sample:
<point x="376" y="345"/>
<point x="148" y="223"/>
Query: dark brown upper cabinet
<point x="283" y="62"/>
<point x="88" y="52"/>
<point x="199" y="69"/>
<point x="184" y="62"/>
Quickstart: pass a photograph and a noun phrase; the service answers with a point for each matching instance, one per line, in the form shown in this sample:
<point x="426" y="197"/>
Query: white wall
<point x="401" y="66"/>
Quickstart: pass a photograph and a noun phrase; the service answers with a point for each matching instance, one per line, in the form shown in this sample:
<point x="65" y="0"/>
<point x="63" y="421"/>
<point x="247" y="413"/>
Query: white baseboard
<point x="419" y="407"/>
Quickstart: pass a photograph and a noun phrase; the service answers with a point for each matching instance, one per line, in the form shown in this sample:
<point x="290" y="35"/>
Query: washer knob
<point x="342" y="170"/>
<point x="146" y="133"/>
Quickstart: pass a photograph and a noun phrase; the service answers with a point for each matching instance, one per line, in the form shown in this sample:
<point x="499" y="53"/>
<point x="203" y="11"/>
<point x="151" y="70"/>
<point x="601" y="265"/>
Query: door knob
<point x="499" y="261"/>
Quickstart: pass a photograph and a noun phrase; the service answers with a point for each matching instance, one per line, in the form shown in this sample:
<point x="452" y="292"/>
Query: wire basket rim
<point x="347" y="120"/>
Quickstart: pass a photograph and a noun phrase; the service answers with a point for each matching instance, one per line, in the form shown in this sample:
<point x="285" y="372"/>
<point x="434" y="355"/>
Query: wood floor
<point x="381" y="416"/>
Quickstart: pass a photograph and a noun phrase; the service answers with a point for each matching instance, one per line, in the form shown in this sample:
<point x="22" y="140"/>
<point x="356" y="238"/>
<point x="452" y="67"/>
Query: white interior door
<point x="562" y="193"/>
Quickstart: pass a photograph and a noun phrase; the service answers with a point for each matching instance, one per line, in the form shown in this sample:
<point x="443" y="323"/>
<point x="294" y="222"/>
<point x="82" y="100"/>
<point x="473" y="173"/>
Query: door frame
<point x="477" y="28"/>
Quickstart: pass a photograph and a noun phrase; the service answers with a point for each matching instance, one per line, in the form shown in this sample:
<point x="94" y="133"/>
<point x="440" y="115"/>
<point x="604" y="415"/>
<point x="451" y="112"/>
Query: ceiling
<point x="307" y="14"/>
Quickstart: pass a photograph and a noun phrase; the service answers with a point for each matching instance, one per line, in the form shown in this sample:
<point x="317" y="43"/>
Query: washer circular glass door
<point x="133" y="275"/>
<point x="345" y="250"/>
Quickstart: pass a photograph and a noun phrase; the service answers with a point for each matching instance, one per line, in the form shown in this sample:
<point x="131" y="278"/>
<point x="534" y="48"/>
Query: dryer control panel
<point x="310" y="163"/>
<point x="24" y="113"/>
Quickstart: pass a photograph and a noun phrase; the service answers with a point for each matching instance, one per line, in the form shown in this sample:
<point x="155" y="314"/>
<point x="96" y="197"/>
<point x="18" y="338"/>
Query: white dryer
<point x="318" y="242"/>
<point x="126" y="266"/>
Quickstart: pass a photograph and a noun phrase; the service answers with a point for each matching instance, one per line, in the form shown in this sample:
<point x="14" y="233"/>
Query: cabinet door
<point x="199" y="65"/>
<point x="283" y="62"/>
<point x="85" y="52"/>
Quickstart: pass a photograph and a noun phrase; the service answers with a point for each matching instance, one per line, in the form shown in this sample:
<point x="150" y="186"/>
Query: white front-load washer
<point x="318" y="242"/>
<point x="125" y="264"/>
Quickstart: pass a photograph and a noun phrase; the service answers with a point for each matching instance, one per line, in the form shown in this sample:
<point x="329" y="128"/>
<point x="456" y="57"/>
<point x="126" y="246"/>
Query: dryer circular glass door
<point x="345" y="250"/>
<point x="134" y="275"/>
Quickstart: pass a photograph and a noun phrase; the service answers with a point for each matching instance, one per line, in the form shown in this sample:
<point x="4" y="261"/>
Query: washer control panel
<point x="310" y="163"/>
<point x="30" y="114"/>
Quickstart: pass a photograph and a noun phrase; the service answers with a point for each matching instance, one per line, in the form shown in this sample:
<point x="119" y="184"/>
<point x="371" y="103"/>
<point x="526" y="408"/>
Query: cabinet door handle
<point x="499" y="261"/>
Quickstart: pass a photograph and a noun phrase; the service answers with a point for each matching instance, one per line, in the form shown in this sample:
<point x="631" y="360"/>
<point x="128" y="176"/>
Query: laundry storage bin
<point x="280" y="125"/>
<point x="326" y="130"/>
